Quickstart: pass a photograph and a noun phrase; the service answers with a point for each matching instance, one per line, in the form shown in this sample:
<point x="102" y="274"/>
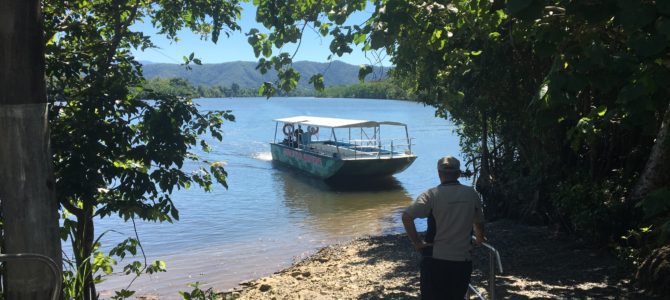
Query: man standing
<point x="298" y="137"/>
<point x="457" y="211"/>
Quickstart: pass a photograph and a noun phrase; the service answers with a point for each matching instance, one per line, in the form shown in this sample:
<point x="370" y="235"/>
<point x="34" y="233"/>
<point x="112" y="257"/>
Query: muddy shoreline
<point x="538" y="264"/>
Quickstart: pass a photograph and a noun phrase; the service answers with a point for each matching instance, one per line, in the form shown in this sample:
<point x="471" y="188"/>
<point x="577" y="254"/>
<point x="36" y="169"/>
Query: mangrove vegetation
<point x="563" y="107"/>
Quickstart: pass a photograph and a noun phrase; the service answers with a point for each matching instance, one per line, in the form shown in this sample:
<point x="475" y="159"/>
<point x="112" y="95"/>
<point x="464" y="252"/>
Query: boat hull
<point x="374" y="167"/>
<point x="329" y="167"/>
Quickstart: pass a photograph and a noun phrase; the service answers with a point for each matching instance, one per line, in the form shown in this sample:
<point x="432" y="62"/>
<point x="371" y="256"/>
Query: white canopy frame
<point x="334" y="123"/>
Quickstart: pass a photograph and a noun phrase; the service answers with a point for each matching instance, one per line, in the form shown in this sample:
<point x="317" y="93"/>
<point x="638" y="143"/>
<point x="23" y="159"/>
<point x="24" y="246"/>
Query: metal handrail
<point x="494" y="256"/>
<point x="42" y="258"/>
<point x="354" y="147"/>
<point x="474" y="290"/>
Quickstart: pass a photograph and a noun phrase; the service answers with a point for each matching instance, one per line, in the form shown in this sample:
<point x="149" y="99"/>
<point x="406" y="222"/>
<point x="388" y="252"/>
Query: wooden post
<point x="29" y="206"/>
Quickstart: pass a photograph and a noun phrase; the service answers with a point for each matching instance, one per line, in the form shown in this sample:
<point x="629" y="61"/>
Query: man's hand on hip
<point x="420" y="245"/>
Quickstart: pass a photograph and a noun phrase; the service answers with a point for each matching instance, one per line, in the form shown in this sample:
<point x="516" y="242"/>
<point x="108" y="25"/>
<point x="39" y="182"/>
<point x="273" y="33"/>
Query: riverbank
<point x="537" y="264"/>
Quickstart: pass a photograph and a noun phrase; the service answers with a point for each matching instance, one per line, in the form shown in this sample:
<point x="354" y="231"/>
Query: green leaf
<point x="437" y="33"/>
<point x="317" y="81"/>
<point x="541" y="93"/>
<point x="363" y="71"/>
<point x="376" y="40"/>
<point x="155" y="267"/>
<point x="123" y="294"/>
<point x="324" y="29"/>
<point x="267" y="89"/>
<point x="584" y="121"/>
<point x="602" y="110"/>
<point x="174" y="213"/>
<point x="267" y="49"/>
<point x="359" y="38"/>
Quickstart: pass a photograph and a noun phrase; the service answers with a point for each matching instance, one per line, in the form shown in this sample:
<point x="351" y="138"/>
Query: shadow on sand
<point x="537" y="266"/>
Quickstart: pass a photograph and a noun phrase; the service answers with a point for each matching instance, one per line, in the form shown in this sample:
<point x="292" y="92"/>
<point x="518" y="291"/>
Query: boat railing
<point x="494" y="261"/>
<point x="56" y="276"/>
<point x="380" y="147"/>
<point x="359" y="148"/>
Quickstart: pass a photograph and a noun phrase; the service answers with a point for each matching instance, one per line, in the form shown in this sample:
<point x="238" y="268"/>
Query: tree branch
<point x="302" y="31"/>
<point x="119" y="29"/>
<point x="73" y="209"/>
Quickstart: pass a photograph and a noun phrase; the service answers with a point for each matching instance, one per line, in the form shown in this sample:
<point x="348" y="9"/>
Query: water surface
<point x="272" y="215"/>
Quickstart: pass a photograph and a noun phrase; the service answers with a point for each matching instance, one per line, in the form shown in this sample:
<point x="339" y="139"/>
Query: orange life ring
<point x="288" y="129"/>
<point x="313" y="130"/>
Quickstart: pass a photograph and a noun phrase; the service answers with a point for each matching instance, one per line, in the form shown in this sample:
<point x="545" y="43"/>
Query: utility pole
<point x="29" y="205"/>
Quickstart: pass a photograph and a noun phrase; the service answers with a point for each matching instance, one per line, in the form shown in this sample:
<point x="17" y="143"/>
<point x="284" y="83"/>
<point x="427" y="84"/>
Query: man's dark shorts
<point x="444" y="279"/>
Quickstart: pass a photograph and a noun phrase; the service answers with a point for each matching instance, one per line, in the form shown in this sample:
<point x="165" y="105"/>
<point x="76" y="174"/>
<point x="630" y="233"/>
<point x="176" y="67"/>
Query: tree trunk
<point x="483" y="184"/>
<point x="655" y="174"/>
<point x="29" y="206"/>
<point x="84" y="245"/>
<point x="653" y="274"/>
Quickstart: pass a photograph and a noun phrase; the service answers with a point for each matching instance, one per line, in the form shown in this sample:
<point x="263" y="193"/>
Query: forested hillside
<point x="245" y="75"/>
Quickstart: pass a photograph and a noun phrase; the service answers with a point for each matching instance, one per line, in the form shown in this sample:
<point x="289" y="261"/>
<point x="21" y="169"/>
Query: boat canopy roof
<point x="335" y="122"/>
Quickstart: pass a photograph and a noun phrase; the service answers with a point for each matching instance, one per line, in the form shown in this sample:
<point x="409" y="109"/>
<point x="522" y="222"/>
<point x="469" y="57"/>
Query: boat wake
<point x="265" y="156"/>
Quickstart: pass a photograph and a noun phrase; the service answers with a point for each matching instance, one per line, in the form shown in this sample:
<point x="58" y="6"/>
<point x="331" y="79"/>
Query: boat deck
<point x="348" y="151"/>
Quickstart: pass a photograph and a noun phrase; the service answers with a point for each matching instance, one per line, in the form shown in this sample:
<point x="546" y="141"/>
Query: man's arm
<point x="410" y="228"/>
<point x="479" y="233"/>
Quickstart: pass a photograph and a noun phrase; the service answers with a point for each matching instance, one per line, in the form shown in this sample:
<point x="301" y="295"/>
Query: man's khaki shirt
<point x="456" y="208"/>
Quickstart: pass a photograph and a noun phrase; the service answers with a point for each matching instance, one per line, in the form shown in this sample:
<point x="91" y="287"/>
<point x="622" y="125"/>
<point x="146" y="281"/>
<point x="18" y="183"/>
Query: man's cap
<point x="448" y="163"/>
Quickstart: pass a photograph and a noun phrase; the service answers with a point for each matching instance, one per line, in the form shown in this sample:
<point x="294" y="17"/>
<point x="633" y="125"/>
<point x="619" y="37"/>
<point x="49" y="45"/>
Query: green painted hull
<point x="328" y="167"/>
<point x="374" y="167"/>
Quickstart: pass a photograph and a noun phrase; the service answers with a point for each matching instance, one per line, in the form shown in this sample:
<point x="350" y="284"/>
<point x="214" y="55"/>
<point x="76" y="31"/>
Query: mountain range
<point x="244" y="73"/>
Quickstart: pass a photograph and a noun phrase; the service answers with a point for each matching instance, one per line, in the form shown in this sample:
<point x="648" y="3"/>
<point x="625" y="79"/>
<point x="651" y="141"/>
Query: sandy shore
<point x="537" y="265"/>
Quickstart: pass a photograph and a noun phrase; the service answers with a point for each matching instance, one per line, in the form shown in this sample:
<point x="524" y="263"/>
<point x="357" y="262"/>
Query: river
<point x="271" y="216"/>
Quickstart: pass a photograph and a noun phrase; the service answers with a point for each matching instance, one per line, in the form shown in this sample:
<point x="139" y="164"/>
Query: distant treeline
<point x="386" y="89"/>
<point x="181" y="87"/>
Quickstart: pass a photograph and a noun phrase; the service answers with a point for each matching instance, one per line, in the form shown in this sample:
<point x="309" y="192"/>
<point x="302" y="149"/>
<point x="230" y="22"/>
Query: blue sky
<point x="314" y="47"/>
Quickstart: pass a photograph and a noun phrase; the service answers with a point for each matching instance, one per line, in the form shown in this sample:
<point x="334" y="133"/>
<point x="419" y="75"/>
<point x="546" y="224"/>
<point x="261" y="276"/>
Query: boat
<point x="330" y="148"/>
